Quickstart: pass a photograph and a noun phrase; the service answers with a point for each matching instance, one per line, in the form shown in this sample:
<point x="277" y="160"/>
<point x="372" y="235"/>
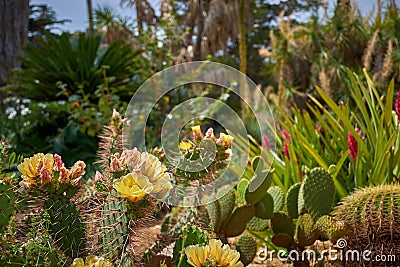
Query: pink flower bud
<point x="58" y="163"/>
<point x="64" y="175"/>
<point x="397" y="105"/>
<point x="210" y="135"/>
<point x="115" y="164"/>
<point x="98" y="177"/>
<point x="286" y="135"/>
<point x="265" y="143"/>
<point x="45" y="175"/>
<point x="78" y="169"/>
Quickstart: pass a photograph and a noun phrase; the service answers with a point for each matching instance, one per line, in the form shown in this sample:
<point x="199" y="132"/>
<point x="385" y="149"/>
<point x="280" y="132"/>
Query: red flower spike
<point x="353" y="145"/>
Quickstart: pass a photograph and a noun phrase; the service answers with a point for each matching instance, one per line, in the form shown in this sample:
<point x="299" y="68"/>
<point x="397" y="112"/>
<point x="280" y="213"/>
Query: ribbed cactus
<point x="317" y="193"/>
<point x="66" y="227"/>
<point x="114" y="229"/>
<point x="247" y="247"/>
<point x="7" y="202"/>
<point x="371" y="213"/>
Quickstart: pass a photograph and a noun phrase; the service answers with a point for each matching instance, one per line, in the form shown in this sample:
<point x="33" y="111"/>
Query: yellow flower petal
<point x="185" y="145"/>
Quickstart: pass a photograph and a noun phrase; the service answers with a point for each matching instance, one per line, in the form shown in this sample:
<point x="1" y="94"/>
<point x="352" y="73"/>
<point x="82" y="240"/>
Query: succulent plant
<point x="247" y="247"/>
<point x="66" y="227"/>
<point x="371" y="217"/>
<point x="114" y="230"/>
<point x="190" y="235"/>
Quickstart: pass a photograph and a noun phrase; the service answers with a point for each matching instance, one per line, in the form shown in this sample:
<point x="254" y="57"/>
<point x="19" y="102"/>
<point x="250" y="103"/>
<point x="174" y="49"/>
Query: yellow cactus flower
<point x="134" y="187"/>
<point x="155" y="171"/>
<point x="91" y="261"/>
<point x="197" y="255"/>
<point x="215" y="252"/>
<point x="185" y="146"/>
<point x="197" y="131"/>
<point x="29" y="168"/>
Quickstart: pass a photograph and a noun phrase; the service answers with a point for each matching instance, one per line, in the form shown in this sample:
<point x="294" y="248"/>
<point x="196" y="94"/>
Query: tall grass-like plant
<point x="359" y="147"/>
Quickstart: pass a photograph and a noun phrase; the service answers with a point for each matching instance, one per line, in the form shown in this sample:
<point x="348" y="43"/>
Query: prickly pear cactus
<point x="203" y="157"/>
<point x="66" y="227"/>
<point x="278" y="197"/>
<point x="114" y="228"/>
<point x="257" y="225"/>
<point x="330" y="228"/>
<point x="292" y="197"/>
<point x="247" y="247"/>
<point x="265" y="207"/>
<point x="305" y="233"/>
<point x="317" y="193"/>
<point x="7" y="202"/>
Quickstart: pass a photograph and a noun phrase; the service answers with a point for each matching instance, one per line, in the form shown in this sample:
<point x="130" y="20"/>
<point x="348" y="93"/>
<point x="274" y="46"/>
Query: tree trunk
<point x="200" y="32"/>
<point x="90" y="17"/>
<point x="13" y="35"/>
<point x="244" y="90"/>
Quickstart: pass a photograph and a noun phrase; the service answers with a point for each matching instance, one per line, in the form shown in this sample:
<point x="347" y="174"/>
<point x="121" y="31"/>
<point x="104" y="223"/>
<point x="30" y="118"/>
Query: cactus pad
<point x="292" y="197"/>
<point x="238" y="221"/>
<point x="278" y="196"/>
<point x="257" y="187"/>
<point x="257" y="224"/>
<point x="247" y="247"/>
<point x="317" y="193"/>
<point x="265" y="207"/>
<point x="114" y="228"/>
<point x="66" y="227"/>
<point x="305" y="234"/>
<point x="282" y="223"/>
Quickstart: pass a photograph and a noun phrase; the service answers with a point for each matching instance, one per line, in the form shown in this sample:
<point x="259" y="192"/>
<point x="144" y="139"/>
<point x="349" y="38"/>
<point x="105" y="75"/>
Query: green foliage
<point x="66" y="227"/>
<point x="247" y="247"/>
<point x="7" y="204"/>
<point x="51" y="71"/>
<point x="190" y="236"/>
<point x="38" y="250"/>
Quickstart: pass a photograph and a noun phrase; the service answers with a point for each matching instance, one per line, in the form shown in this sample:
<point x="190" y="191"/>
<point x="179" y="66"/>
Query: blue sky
<point x="75" y="10"/>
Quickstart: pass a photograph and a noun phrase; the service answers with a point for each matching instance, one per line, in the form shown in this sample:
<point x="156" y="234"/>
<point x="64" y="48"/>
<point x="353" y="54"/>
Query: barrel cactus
<point x="371" y="216"/>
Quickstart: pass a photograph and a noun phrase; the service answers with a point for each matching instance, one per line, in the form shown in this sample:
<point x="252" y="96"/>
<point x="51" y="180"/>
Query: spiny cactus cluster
<point x="204" y="156"/>
<point x="371" y="216"/>
<point x="7" y="204"/>
<point x="308" y="205"/>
